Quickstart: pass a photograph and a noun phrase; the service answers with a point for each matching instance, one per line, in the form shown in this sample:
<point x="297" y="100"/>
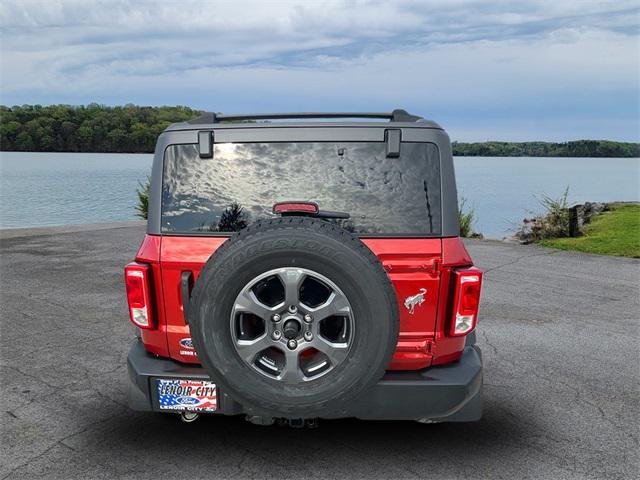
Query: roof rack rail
<point x="398" y="115"/>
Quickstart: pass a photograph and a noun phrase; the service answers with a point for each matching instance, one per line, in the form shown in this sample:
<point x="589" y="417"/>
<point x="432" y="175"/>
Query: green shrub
<point x="142" y="208"/>
<point x="466" y="219"/>
<point x="553" y="223"/>
<point x="557" y="215"/>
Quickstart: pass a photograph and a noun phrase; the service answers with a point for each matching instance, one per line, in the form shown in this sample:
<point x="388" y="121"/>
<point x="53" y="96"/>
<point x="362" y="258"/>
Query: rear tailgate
<point x="412" y="265"/>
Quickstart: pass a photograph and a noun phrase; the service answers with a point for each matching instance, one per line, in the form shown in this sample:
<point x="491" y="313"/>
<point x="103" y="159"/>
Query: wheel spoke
<point x="248" y="302"/>
<point x="335" y="304"/>
<point x="291" y="372"/>
<point x="336" y="352"/>
<point x="292" y="280"/>
<point x="248" y="349"/>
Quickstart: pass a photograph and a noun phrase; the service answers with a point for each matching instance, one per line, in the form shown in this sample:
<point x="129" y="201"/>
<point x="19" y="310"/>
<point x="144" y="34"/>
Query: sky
<point x="486" y="70"/>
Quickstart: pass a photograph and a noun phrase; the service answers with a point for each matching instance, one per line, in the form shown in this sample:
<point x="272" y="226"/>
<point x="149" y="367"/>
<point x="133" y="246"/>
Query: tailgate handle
<point x="186" y="285"/>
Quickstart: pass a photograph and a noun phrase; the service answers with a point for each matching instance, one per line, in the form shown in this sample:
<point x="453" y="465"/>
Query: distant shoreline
<point x="456" y="155"/>
<point x="573" y="149"/>
<point x="98" y="128"/>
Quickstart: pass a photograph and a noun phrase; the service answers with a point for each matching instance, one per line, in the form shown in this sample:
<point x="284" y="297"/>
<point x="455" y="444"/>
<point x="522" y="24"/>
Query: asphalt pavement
<point x="558" y="330"/>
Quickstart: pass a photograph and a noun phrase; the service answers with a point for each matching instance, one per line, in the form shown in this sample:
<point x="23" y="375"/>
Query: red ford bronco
<point x="305" y="266"/>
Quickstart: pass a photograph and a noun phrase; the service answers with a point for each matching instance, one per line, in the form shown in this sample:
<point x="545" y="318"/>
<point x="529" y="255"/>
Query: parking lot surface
<point x="558" y="331"/>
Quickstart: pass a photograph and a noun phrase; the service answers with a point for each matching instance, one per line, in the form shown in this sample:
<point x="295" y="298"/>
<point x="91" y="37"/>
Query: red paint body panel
<point x="180" y="254"/>
<point x="447" y="349"/>
<point x="411" y="263"/>
<point x="454" y="253"/>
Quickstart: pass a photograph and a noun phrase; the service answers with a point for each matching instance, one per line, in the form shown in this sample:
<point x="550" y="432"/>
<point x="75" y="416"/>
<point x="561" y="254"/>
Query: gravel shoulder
<point x="558" y="331"/>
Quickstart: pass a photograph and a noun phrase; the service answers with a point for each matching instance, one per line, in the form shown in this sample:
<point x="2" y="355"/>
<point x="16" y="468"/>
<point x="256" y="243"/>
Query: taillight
<point x="466" y="300"/>
<point x="137" y="277"/>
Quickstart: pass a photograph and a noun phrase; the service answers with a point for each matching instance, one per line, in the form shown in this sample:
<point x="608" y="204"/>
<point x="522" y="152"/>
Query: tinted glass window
<point x="243" y="181"/>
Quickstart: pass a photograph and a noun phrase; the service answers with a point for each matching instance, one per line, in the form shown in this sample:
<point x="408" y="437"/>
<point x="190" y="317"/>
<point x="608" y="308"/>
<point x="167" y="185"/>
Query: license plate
<point x="187" y="395"/>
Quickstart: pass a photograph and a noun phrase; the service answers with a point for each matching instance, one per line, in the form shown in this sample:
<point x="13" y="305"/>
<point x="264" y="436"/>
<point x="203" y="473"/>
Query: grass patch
<point x="616" y="232"/>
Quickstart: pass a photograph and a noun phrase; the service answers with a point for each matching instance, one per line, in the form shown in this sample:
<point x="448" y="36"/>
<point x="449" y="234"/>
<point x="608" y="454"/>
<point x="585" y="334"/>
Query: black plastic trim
<point x="393" y="139"/>
<point x="205" y="144"/>
<point x="420" y="125"/>
<point x="186" y="286"/>
<point x="444" y="393"/>
<point x="397" y="115"/>
<point x="205" y="118"/>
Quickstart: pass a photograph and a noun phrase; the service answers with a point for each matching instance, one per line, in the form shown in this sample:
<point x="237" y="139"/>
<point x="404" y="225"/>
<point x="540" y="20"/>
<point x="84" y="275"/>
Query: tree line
<point x="577" y="148"/>
<point x="91" y="128"/>
<point x="134" y="129"/>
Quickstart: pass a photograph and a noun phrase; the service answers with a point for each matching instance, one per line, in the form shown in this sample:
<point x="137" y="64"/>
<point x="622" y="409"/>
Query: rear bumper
<point x="448" y="393"/>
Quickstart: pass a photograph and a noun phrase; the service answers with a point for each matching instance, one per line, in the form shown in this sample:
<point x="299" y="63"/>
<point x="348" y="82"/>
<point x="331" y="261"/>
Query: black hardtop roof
<point x="398" y="117"/>
<point x="394" y="128"/>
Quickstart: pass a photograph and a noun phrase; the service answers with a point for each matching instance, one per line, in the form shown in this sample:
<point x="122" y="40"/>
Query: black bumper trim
<point x="451" y="393"/>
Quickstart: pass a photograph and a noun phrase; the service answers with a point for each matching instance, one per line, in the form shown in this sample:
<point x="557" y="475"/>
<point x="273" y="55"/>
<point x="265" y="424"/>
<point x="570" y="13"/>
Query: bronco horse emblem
<point x="411" y="302"/>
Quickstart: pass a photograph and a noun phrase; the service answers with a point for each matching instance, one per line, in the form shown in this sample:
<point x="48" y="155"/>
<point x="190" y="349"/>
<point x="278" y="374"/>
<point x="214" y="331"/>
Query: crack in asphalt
<point x="28" y="375"/>
<point x="579" y="398"/>
<point x="60" y="345"/>
<point x="55" y="444"/>
<point x="508" y="360"/>
<point x="518" y="259"/>
<point x="486" y="339"/>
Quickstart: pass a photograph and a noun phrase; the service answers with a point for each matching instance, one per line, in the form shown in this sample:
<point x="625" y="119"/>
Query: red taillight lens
<point x="466" y="301"/>
<point x="137" y="278"/>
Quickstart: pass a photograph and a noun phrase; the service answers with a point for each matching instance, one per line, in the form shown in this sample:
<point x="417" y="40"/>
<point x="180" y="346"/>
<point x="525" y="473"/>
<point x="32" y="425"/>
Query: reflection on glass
<point x="233" y="219"/>
<point x="243" y="181"/>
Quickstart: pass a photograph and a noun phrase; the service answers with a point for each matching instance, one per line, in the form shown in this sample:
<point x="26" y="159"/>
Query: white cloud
<point x="504" y="59"/>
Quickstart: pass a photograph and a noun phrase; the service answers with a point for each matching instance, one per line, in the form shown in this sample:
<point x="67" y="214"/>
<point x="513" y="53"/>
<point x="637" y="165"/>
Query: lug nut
<point x="292" y="344"/>
<point x="308" y="318"/>
<point x="293" y="308"/>
<point x="276" y="335"/>
<point x="275" y="317"/>
<point x="308" y="336"/>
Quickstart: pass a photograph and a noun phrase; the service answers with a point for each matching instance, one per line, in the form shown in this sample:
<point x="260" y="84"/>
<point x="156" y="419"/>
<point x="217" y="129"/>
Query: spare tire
<point x="294" y="317"/>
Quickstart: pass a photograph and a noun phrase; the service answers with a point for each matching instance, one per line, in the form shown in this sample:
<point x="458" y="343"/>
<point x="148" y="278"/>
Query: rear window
<point x="242" y="182"/>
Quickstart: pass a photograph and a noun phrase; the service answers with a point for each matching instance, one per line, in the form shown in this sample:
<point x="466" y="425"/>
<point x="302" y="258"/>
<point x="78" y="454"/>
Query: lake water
<point x="41" y="189"/>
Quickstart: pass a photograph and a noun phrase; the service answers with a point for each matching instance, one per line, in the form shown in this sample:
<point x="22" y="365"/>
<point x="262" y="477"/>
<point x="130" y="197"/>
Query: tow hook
<point x="189" y="417"/>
